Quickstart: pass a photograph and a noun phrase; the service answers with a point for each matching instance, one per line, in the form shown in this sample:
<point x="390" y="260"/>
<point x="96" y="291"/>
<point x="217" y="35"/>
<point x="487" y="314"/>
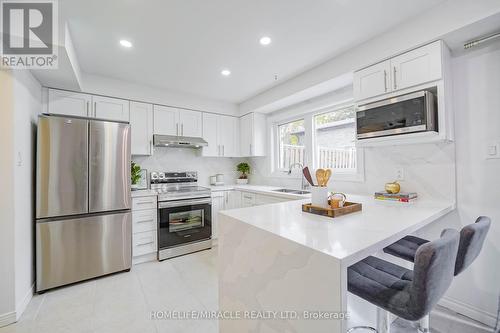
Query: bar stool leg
<point x="383" y="321"/>
<point x="423" y="325"/>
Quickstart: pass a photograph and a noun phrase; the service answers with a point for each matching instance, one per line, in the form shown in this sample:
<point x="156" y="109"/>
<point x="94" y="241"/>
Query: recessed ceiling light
<point x="226" y="72"/>
<point x="265" y="40"/>
<point x="125" y="43"/>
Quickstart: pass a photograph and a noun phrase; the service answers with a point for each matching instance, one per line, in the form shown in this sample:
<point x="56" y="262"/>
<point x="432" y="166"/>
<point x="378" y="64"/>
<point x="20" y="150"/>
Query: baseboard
<point x="7" y="318"/>
<point x="20" y="308"/>
<point x="467" y="310"/>
<point x="145" y="258"/>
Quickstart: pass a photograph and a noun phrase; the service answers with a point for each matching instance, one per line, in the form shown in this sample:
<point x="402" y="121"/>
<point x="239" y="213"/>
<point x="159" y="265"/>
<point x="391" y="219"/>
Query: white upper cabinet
<point x="141" y="123"/>
<point x="227" y="129"/>
<point x="416" y="67"/>
<point x="372" y="81"/>
<point x="210" y="134"/>
<point x="253" y="135"/>
<point x="166" y="120"/>
<point x="110" y="108"/>
<point x="221" y="133"/>
<point x="409" y="69"/>
<point x="173" y="121"/>
<point x="190" y="123"/>
<point x="68" y="103"/>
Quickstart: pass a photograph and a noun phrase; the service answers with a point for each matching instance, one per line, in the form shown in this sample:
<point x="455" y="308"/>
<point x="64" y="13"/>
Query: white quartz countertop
<point x="348" y="238"/>
<point x="259" y="189"/>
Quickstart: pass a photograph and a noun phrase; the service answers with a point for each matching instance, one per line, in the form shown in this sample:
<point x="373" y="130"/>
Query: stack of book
<point x="400" y="197"/>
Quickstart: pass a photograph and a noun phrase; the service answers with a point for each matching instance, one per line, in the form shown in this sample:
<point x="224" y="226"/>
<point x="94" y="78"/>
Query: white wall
<point x="100" y="85"/>
<point x="476" y="83"/>
<point x="184" y="159"/>
<point x="7" y="291"/>
<point x="21" y="102"/>
<point x="431" y="25"/>
<point x="27" y="99"/>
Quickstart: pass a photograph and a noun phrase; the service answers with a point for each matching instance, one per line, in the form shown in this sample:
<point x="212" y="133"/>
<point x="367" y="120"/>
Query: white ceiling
<point x="182" y="45"/>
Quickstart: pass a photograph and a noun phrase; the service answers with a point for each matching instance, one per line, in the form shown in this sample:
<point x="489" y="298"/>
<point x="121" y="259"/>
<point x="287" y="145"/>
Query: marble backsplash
<point x="429" y="170"/>
<point x="185" y="159"/>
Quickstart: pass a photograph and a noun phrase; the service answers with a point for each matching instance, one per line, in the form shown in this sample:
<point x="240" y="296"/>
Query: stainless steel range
<point x="184" y="213"/>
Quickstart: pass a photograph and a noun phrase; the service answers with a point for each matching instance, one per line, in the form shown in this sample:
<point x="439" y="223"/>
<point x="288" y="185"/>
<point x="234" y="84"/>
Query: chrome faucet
<point x="304" y="185"/>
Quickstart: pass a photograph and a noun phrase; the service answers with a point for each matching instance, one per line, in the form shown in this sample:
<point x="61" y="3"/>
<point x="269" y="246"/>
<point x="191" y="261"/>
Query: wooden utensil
<point x="307" y="175"/>
<point x="320" y="177"/>
<point x="328" y="174"/>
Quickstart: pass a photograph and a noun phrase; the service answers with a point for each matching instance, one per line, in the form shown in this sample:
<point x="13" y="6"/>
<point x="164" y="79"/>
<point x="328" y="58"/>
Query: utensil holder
<point x="319" y="196"/>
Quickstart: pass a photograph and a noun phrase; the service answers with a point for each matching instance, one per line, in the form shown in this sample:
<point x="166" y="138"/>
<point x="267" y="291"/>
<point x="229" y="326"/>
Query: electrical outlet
<point x="400" y="173"/>
<point x="493" y="150"/>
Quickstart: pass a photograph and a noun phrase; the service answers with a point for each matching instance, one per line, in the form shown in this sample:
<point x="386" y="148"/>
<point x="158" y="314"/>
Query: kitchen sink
<point x="285" y="190"/>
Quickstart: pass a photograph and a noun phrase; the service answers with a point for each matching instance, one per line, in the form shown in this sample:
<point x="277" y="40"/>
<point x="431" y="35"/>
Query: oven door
<point x="404" y="114"/>
<point x="184" y="221"/>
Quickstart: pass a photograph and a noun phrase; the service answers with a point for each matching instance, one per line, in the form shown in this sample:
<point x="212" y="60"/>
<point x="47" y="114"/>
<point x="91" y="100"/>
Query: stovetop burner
<point x="177" y="186"/>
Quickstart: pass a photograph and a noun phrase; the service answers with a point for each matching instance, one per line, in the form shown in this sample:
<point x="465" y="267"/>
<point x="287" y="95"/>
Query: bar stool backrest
<point x="472" y="238"/>
<point x="432" y="273"/>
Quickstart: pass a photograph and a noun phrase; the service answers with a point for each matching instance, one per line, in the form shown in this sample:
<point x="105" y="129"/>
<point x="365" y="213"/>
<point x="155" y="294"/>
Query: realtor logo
<point x="29" y="32"/>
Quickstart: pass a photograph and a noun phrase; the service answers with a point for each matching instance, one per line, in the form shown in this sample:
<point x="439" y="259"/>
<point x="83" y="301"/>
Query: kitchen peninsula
<point x="278" y="258"/>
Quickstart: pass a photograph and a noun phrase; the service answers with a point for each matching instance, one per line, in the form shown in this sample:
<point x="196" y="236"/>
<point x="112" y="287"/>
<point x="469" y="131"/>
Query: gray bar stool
<point x="408" y="294"/>
<point x="472" y="238"/>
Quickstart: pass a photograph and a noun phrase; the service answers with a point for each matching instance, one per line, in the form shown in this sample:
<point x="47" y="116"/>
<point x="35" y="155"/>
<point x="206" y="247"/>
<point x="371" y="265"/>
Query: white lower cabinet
<point x="218" y="201"/>
<point x="144" y="227"/>
<point x="247" y="199"/>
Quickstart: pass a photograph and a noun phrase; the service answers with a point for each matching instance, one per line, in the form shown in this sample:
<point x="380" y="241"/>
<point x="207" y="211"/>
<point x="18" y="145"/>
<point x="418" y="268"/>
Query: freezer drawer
<point x="77" y="249"/>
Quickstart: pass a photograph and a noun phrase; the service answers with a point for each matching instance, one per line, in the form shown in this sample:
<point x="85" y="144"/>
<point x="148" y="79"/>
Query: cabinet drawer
<point x="144" y="243"/>
<point x="144" y="220"/>
<point x="143" y="203"/>
<point x="247" y="199"/>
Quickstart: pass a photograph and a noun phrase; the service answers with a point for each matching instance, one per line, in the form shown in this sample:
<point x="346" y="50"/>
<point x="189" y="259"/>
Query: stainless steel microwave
<point x="415" y="112"/>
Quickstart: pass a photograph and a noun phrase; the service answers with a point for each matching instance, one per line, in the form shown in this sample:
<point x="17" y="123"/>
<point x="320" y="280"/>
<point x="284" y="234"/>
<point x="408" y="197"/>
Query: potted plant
<point x="244" y="168"/>
<point x="135" y="173"/>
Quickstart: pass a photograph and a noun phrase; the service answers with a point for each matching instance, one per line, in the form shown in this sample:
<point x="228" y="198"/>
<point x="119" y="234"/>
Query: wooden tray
<point x="349" y="207"/>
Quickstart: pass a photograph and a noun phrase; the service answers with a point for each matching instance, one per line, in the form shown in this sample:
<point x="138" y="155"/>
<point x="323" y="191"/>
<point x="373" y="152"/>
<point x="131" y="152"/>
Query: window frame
<point x="310" y="148"/>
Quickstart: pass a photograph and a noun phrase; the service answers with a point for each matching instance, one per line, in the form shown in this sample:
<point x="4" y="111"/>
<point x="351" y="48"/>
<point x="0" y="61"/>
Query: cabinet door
<point x="166" y="120"/>
<point x="226" y="132"/>
<point x="68" y="103"/>
<point x="141" y="124"/>
<point x="233" y="199"/>
<point x="246" y="135"/>
<point x="190" y="123"/>
<point x="217" y="205"/>
<point x="210" y="134"/>
<point x="110" y="108"/>
<point x="259" y="135"/>
<point x="372" y="81"/>
<point x="417" y="66"/>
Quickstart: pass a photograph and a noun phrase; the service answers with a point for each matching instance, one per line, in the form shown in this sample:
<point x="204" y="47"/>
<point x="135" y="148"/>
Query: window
<point x="291" y="143"/>
<point x="321" y="139"/>
<point x="334" y="140"/>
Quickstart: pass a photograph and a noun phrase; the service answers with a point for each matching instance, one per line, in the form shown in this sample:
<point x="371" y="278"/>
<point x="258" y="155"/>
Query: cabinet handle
<point x="87" y="108"/>
<point x="95" y="109"/>
<point x="395" y="84"/>
<point x="177" y="129"/>
<point x="223" y="150"/>
<point x="250" y="149"/>
<point x="182" y="129"/>
<point x="144" y="221"/>
<point x="142" y="244"/>
<point x="385" y="80"/>
<point x="145" y="203"/>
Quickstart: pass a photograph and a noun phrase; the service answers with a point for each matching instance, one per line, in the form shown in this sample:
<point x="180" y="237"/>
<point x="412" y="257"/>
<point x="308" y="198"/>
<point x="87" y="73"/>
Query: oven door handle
<point x="168" y="204"/>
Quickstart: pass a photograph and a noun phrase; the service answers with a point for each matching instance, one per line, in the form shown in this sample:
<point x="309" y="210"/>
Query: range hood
<point x="178" y="141"/>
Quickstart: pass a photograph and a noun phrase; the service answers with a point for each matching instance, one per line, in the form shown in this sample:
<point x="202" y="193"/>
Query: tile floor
<point x="123" y="302"/>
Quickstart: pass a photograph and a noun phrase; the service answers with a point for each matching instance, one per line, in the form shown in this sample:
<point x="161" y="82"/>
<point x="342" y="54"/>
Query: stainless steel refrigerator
<point x="83" y="218"/>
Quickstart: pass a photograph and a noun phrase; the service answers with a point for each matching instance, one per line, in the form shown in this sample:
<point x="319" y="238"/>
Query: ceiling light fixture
<point x="226" y="72"/>
<point x="265" y="40"/>
<point x="125" y="43"/>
